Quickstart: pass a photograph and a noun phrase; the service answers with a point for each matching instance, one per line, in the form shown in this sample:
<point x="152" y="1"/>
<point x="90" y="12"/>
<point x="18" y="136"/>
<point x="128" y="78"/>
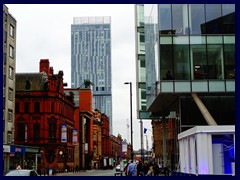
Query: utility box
<point x="207" y="150"/>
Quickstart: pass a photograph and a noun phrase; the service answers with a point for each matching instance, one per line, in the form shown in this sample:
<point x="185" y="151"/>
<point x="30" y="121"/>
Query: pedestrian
<point x="76" y="169"/>
<point x="168" y="75"/>
<point x="139" y="168"/>
<point x="150" y="171"/>
<point x="131" y="170"/>
<point x="155" y="169"/>
<point x="166" y="171"/>
<point x="145" y="169"/>
<point x="125" y="169"/>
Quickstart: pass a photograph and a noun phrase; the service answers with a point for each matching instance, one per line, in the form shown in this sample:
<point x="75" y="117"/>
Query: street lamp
<point x="131" y="118"/>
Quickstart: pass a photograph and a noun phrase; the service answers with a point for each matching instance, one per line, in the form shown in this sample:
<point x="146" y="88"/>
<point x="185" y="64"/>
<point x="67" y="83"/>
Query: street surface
<point x="97" y="172"/>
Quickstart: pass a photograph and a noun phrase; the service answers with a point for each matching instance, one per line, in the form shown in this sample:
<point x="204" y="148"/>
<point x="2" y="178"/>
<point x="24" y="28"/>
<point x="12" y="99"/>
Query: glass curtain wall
<point x="192" y="45"/>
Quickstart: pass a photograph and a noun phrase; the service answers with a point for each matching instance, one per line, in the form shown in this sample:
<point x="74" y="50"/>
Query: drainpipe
<point x="208" y="117"/>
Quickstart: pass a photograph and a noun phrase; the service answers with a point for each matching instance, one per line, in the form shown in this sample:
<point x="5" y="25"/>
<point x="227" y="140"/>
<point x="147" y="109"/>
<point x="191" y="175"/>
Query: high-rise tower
<point x="91" y="59"/>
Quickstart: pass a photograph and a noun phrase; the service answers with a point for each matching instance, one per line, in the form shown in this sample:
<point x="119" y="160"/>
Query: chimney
<point x="44" y="66"/>
<point x="51" y="70"/>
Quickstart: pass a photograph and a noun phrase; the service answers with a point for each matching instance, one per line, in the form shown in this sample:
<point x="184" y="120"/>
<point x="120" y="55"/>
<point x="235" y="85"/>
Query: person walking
<point x="150" y="171"/>
<point x="166" y="171"/>
<point x="145" y="169"/>
<point x="125" y="169"/>
<point x="131" y="169"/>
<point x="139" y="168"/>
<point x="155" y="169"/>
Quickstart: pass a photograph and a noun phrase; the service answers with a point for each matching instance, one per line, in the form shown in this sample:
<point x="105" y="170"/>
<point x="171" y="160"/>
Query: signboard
<point x="64" y="133"/>
<point x="17" y="149"/>
<point x="74" y="140"/>
<point x="124" y="146"/>
<point x="6" y="148"/>
<point x="86" y="147"/>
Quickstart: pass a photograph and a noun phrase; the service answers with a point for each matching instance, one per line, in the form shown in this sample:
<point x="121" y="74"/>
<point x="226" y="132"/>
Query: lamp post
<point x="131" y="118"/>
<point x="60" y="153"/>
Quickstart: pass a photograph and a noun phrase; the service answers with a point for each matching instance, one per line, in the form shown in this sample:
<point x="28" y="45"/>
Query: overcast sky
<point x="44" y="32"/>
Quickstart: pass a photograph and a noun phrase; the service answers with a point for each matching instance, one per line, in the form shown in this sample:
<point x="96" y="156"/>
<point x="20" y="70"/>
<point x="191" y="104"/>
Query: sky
<point x="44" y="32"/>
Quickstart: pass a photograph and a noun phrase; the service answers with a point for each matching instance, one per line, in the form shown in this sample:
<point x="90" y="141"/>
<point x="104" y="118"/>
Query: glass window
<point x="213" y="23"/>
<point x="165" y="18"/>
<point x="11" y="51"/>
<point x="181" y="62"/>
<point x="229" y="61"/>
<point x="10" y="94"/>
<point x="26" y="107"/>
<point x="52" y="107"/>
<point x="228" y="11"/>
<point x="198" y="61"/>
<point x="213" y="12"/>
<point x="228" y="8"/>
<point x="166" y="63"/>
<point x="10" y="72"/>
<point x="9" y="137"/>
<point x="21" y="132"/>
<point x="197" y="18"/>
<point x="17" y="107"/>
<point x="10" y="115"/>
<point x="37" y="107"/>
<point x="215" y="61"/>
<point x="180" y="18"/>
<point x="36" y="131"/>
<point x="11" y="31"/>
<point x="52" y="132"/>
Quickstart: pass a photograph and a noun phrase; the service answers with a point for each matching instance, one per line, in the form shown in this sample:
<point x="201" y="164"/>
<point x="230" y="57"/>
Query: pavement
<point x="73" y="173"/>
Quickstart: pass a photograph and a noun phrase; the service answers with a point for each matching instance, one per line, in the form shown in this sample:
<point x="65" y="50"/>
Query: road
<point x="97" y="172"/>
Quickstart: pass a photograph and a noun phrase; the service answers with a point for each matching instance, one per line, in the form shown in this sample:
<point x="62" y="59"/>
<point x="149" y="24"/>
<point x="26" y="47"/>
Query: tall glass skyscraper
<point x="91" y="59"/>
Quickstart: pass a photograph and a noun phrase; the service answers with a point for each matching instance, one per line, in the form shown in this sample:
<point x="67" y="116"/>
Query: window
<point x="10" y="115"/>
<point x="9" y="137"/>
<point x="17" y="107"/>
<point x="26" y="107"/>
<point x="52" y="132"/>
<point x="11" y="30"/>
<point x="52" y="107"/>
<point x="21" y="132"/>
<point x="10" y="72"/>
<point x="11" y="49"/>
<point x="229" y="59"/>
<point x="36" y="132"/>
<point x="10" y="94"/>
<point x="4" y="58"/>
<point x="36" y="107"/>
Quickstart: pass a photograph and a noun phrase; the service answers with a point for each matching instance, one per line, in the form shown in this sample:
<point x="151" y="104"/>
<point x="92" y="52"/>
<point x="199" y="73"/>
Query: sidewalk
<point x="73" y="173"/>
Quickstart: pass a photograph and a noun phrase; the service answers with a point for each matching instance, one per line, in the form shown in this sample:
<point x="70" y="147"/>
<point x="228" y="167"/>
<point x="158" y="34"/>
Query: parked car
<point x="22" y="172"/>
<point x="118" y="167"/>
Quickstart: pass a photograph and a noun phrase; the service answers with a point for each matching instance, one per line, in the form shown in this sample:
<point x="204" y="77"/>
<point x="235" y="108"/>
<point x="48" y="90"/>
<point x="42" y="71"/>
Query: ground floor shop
<point x="16" y="155"/>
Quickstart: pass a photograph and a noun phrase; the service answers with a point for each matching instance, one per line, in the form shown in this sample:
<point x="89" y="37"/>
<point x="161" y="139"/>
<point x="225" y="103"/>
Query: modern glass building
<point x="91" y="59"/>
<point x="185" y="54"/>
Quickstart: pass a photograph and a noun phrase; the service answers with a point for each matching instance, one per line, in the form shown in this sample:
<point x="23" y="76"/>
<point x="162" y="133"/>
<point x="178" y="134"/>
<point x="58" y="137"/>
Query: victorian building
<point x="45" y="117"/>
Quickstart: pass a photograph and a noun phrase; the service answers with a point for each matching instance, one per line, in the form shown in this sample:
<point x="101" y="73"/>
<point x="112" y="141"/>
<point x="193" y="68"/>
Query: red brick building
<point x="106" y="143"/>
<point x="42" y="113"/>
<point x="83" y="124"/>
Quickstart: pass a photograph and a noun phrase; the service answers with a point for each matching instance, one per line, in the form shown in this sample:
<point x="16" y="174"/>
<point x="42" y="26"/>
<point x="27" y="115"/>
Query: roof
<point x="207" y="130"/>
<point x="36" y="81"/>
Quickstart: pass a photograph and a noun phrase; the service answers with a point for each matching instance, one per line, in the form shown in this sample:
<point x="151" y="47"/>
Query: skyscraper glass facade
<point x="91" y="59"/>
<point x="184" y="49"/>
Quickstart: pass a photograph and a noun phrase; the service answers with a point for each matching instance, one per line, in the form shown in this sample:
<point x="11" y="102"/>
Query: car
<point x="118" y="167"/>
<point x="22" y="172"/>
